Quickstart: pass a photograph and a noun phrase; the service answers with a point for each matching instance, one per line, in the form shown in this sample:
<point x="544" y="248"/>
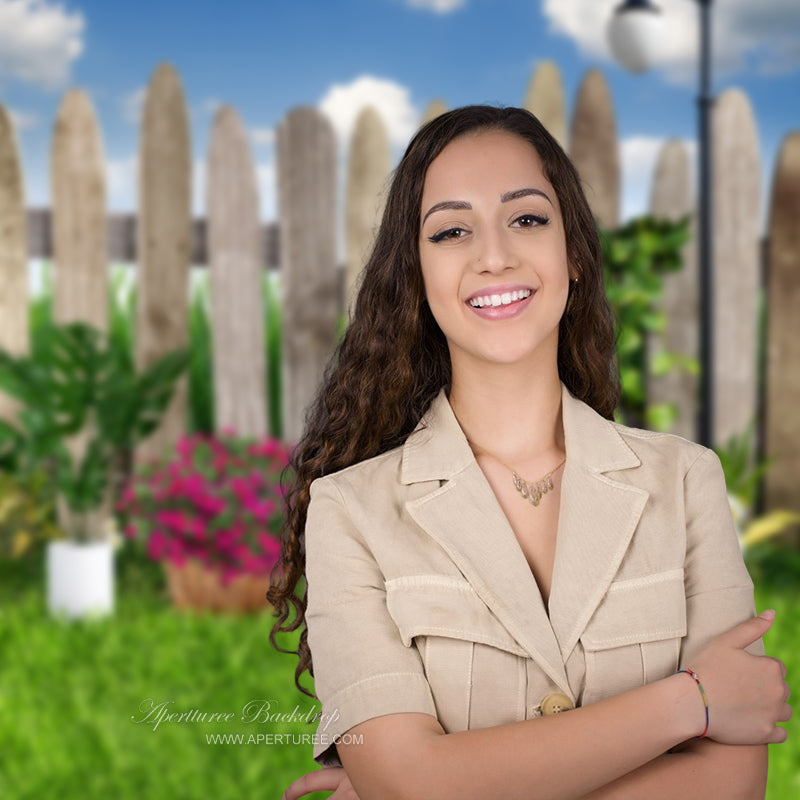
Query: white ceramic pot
<point x="80" y="578"/>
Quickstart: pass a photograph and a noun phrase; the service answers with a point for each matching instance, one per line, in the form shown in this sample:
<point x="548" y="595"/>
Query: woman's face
<point x="492" y="250"/>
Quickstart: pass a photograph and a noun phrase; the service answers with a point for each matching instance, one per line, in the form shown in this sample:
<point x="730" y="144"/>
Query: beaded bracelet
<point x="692" y="674"/>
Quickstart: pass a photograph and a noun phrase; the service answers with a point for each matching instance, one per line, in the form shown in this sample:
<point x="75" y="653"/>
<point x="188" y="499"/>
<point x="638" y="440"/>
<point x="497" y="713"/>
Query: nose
<point x="494" y="250"/>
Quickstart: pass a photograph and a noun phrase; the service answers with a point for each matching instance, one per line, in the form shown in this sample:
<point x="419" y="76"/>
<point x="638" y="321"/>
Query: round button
<point x="556" y="703"/>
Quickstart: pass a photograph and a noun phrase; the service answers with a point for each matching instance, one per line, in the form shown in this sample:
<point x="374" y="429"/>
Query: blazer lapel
<point x="463" y="516"/>
<point x="598" y="516"/>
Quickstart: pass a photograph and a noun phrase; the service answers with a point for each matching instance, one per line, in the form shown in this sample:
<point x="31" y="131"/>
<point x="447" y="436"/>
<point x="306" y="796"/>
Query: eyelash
<point x="539" y="219"/>
<point x="442" y="235"/>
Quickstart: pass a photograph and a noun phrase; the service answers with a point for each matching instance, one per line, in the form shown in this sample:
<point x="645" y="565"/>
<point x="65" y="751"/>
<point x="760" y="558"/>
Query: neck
<point x="512" y="414"/>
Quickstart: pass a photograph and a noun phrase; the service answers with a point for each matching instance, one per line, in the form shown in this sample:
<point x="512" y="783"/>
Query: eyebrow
<point x="462" y="205"/>
<point x="517" y="193"/>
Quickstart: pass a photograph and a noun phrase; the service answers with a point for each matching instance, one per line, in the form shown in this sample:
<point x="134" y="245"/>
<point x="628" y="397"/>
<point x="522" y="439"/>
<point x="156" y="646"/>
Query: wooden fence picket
<point x="14" y="334"/>
<point x="545" y="99"/>
<point x="306" y="149"/>
<point x="737" y="227"/>
<point x="80" y="250"/>
<point x="782" y="418"/>
<point x="672" y="197"/>
<point x="237" y="307"/>
<point x="434" y="109"/>
<point x="164" y="233"/>
<point x="368" y="169"/>
<point x="594" y="148"/>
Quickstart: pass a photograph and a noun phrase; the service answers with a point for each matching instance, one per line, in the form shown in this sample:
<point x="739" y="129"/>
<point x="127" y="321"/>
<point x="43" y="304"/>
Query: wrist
<point x="687" y="712"/>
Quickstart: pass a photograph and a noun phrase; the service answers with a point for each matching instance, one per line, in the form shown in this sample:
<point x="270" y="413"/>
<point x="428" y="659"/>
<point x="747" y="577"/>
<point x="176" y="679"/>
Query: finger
<point x="321" y="780"/>
<point x="779" y="735"/>
<point x="745" y="633"/>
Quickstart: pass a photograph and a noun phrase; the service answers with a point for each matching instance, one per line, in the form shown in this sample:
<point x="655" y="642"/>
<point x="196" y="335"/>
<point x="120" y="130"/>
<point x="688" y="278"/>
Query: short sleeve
<point x="362" y="669"/>
<point x="719" y="590"/>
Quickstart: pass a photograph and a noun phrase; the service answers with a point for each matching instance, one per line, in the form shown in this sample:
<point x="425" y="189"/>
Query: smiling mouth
<point x="495" y="300"/>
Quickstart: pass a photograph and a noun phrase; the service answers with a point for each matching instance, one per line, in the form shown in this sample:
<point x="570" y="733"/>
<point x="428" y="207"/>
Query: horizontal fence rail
<point x="122" y="238"/>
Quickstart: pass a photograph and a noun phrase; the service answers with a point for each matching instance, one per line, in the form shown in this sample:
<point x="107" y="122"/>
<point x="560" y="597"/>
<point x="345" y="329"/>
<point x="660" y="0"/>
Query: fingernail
<point x="768" y="614"/>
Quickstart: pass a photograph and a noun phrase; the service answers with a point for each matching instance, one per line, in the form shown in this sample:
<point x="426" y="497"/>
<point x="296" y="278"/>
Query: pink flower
<point x="209" y="482"/>
<point x="157" y="545"/>
<point x="198" y="528"/>
<point x="261" y="511"/>
<point x="176" y="520"/>
<point x="270" y="546"/>
<point x="243" y="491"/>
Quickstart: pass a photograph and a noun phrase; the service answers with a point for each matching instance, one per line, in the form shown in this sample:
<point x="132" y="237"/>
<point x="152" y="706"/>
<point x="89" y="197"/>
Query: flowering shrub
<point x="217" y="499"/>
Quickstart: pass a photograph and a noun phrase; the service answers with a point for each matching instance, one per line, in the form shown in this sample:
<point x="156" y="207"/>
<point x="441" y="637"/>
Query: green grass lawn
<point x="70" y="692"/>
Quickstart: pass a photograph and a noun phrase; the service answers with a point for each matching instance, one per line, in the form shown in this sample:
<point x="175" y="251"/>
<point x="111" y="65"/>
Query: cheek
<point x="433" y="284"/>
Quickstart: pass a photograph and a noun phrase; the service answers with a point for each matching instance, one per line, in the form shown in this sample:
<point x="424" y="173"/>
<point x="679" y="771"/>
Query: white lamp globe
<point x="635" y="34"/>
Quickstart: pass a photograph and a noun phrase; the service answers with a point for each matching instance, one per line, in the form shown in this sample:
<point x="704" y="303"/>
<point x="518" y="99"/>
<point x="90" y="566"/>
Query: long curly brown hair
<point x="393" y="358"/>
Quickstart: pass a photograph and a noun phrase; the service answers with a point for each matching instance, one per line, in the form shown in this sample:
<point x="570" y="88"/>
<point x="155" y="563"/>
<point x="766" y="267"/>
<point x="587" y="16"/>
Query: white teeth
<point x="499" y="299"/>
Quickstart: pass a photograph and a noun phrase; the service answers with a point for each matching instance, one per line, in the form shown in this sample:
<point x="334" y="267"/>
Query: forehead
<point x="485" y="161"/>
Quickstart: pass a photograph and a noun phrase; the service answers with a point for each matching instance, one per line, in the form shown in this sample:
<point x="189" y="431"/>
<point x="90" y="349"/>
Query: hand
<point x="747" y="695"/>
<point x="327" y="779"/>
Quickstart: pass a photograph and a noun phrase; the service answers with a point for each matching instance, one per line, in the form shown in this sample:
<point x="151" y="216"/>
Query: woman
<point x="484" y="547"/>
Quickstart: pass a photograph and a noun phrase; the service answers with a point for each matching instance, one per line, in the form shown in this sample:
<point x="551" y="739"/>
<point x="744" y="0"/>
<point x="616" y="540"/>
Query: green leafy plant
<point x="122" y="306"/>
<point x="201" y="365"/>
<point x="273" y="347"/>
<point x="743" y="473"/>
<point x="635" y="258"/>
<point x="27" y="513"/>
<point x="83" y="408"/>
<point x="743" y="476"/>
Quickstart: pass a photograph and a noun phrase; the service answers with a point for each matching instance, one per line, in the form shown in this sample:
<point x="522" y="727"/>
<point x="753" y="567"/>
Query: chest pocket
<point x="634" y="636"/>
<point x="475" y="668"/>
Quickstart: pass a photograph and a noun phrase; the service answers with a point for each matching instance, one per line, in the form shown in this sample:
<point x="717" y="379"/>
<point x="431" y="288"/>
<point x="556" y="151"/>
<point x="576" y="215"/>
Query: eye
<point x="530" y="220"/>
<point x="448" y="234"/>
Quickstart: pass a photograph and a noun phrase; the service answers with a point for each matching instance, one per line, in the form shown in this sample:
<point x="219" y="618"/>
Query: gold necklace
<point x="533" y="491"/>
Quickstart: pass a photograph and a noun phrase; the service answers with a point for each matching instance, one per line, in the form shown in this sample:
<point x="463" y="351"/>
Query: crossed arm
<point x="696" y="770"/>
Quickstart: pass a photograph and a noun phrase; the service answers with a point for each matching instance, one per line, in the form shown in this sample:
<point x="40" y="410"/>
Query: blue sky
<point x="266" y="57"/>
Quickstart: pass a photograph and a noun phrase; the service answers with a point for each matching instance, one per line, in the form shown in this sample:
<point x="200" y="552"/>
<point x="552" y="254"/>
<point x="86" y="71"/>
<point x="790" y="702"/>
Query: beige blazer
<point x="421" y="599"/>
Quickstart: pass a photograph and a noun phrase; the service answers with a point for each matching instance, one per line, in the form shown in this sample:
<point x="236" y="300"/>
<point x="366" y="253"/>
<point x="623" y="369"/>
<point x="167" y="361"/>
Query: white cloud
<point x="132" y="105"/>
<point x="38" y="42"/>
<point x="639" y="155"/>
<point x="23" y="120"/>
<point x="343" y="102"/>
<point x="263" y="137"/>
<point x="437" y="6"/>
<point x="765" y="33"/>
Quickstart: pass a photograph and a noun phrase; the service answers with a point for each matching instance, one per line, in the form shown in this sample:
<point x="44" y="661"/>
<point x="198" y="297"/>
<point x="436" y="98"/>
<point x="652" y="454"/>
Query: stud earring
<point x="571" y="297"/>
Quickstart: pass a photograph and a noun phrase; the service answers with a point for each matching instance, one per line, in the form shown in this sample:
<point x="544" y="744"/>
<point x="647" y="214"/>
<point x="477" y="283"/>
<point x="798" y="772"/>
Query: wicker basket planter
<point x="198" y="587"/>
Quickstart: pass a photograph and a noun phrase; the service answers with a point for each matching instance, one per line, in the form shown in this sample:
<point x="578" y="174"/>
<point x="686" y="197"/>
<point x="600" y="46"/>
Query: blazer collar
<point x="438" y="448"/>
<point x="598" y="515"/>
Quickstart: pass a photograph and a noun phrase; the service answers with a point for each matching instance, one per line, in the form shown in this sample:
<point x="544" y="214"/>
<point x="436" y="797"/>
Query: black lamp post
<point x="633" y="36"/>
